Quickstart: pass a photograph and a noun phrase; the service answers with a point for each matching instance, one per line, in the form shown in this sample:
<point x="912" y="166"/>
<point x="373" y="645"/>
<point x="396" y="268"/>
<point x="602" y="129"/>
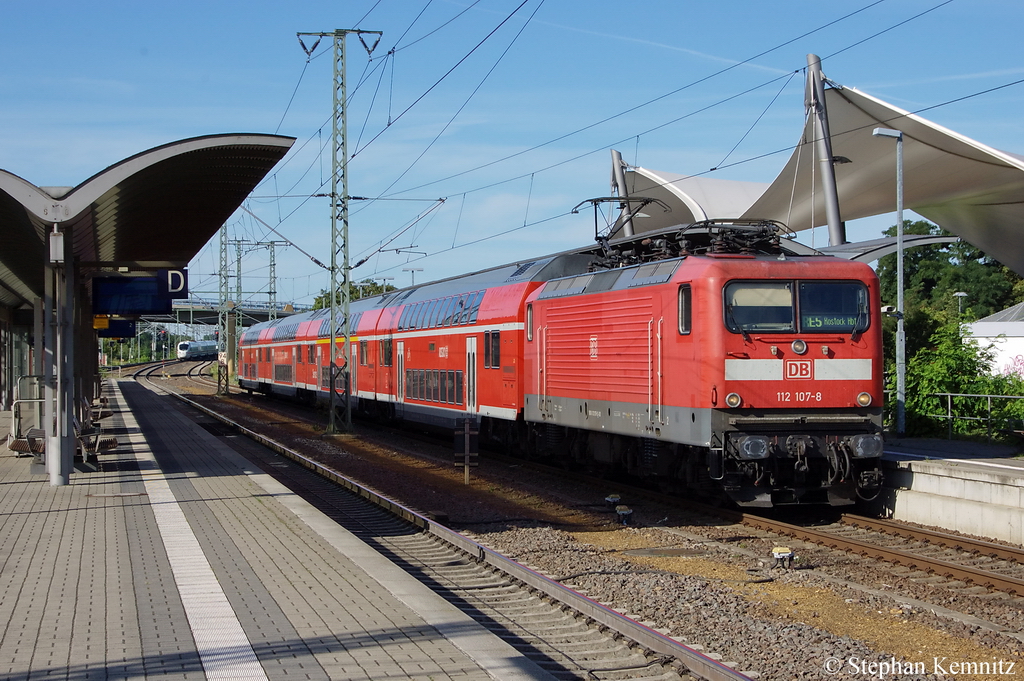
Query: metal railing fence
<point x="950" y="417"/>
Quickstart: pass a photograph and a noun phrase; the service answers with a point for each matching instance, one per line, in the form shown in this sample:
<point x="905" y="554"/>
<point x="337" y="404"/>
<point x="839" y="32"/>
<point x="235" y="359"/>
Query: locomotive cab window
<point x="833" y="306"/>
<point x="685" y="309"/>
<point x="364" y="353"/>
<point x="817" y="307"/>
<point x="385" y="352"/>
<point x="765" y="306"/>
<point x="529" y="322"/>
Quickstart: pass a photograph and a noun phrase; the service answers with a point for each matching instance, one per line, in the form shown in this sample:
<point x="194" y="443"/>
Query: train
<point x="192" y="349"/>
<point x="719" y="359"/>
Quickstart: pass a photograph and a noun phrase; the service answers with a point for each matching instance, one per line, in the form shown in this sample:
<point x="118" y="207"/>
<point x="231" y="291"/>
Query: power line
<point x="447" y="73"/>
<point x="468" y="99"/>
<point x="650" y="101"/>
<point x="733" y="66"/>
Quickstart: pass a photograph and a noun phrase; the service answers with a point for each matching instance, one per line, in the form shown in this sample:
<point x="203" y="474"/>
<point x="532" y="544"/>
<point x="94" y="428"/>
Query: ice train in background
<point x="197" y="349"/>
<point x="713" y="357"/>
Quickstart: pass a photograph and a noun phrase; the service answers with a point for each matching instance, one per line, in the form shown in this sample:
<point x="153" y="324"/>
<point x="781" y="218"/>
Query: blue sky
<point x="513" y="137"/>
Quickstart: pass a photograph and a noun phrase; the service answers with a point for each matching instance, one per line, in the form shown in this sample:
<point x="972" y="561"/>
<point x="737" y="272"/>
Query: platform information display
<point x="138" y="295"/>
<point x="118" y="328"/>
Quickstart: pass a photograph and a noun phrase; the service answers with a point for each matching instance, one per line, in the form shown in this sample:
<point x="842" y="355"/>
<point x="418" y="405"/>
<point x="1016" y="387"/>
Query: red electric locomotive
<point x="717" y="356"/>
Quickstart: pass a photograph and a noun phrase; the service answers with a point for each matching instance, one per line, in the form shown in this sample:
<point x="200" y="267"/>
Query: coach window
<point x="385" y="353"/>
<point x="435" y="318"/>
<point x="435" y="313"/>
<point x="529" y="322"/>
<point x="474" y="307"/>
<point x="460" y="310"/>
<point x="446" y="315"/>
<point x="496" y="349"/>
<point x="364" y="352"/>
<point x="446" y="311"/>
<point x="421" y="309"/>
<point x="451" y="313"/>
<point x="685" y="309"/>
<point x="311" y="354"/>
<point x="489" y="363"/>
<point x="467" y="308"/>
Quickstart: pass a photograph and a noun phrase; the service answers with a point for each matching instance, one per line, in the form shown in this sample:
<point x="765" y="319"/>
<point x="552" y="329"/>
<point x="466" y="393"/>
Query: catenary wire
<point x="661" y="97"/>
<point x="648" y="102"/>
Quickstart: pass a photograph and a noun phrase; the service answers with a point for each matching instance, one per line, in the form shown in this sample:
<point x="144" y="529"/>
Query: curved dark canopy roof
<point x="155" y="209"/>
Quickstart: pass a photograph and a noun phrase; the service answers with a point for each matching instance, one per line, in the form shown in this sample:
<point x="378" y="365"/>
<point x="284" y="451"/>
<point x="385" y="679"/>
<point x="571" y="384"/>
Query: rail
<point x="950" y="417"/>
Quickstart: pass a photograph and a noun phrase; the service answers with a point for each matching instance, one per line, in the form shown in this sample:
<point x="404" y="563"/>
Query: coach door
<point x="352" y="366"/>
<point x="471" y="374"/>
<point x="400" y="373"/>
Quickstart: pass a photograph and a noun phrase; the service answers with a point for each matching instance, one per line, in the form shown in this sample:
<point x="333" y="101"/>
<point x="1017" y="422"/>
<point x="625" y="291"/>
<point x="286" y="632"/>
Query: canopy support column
<point x="823" y="148"/>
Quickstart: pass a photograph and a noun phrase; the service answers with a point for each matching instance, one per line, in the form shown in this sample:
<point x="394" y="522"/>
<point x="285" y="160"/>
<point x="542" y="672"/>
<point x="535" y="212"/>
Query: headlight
<point x="799" y="346"/>
<point x="733" y="400"/>
<point x="753" y="447"/>
<point x="864" y="399"/>
<point x="866" y="446"/>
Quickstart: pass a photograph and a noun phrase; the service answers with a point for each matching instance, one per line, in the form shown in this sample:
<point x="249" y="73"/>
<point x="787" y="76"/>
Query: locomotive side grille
<point x="613" y="361"/>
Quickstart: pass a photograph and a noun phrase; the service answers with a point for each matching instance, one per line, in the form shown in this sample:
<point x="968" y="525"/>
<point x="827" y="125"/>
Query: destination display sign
<point x="139" y="295"/>
<point x="828" y="322"/>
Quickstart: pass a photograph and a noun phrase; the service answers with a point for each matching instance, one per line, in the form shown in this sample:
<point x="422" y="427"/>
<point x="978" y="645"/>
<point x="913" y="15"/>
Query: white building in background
<point x="1004" y="331"/>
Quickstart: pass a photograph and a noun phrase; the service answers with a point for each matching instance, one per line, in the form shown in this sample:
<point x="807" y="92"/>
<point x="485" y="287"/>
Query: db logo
<point x="798" y="368"/>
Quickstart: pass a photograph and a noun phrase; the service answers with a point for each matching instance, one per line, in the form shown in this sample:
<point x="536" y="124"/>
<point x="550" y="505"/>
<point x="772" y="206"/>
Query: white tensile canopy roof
<point x="966" y="187"/>
<point x="691" y="199"/>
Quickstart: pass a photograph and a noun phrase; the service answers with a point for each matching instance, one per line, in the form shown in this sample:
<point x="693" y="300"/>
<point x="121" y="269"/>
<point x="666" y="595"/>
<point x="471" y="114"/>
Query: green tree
<point x="939" y="358"/>
<point x="953" y="362"/>
<point x="367" y="288"/>
<point x="932" y="274"/>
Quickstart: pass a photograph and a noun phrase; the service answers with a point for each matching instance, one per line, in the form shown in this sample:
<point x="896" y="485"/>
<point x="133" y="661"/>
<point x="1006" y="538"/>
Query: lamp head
<point x="887" y="132"/>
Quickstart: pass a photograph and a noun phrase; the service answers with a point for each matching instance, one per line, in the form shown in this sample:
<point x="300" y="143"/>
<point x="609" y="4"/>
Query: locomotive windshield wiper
<point x="729" y="317"/>
<point x="862" y="313"/>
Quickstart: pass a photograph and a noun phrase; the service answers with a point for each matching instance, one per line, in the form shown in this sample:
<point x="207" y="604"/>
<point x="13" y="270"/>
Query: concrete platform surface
<point x="970" y="487"/>
<point x="178" y="559"/>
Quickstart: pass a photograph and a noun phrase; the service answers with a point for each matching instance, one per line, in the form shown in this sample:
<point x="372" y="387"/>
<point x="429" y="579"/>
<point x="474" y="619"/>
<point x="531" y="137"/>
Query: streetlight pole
<point x="412" y="271"/>
<point x="960" y="295"/>
<point x="901" y="336"/>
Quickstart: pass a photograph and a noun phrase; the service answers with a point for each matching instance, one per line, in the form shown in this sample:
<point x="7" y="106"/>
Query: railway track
<point x="930" y="552"/>
<point x="569" y="634"/>
<point x="197" y="373"/>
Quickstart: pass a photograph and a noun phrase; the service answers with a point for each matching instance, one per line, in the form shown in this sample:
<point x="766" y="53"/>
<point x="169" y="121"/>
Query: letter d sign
<point x="173" y="283"/>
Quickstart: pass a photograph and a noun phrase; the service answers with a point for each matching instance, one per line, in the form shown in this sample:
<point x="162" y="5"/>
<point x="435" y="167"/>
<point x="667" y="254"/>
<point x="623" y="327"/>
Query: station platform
<point x="179" y="559"/>
<point x="969" y="487"/>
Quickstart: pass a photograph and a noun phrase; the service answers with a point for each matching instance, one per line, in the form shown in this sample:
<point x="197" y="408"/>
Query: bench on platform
<point x="33" y="442"/>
